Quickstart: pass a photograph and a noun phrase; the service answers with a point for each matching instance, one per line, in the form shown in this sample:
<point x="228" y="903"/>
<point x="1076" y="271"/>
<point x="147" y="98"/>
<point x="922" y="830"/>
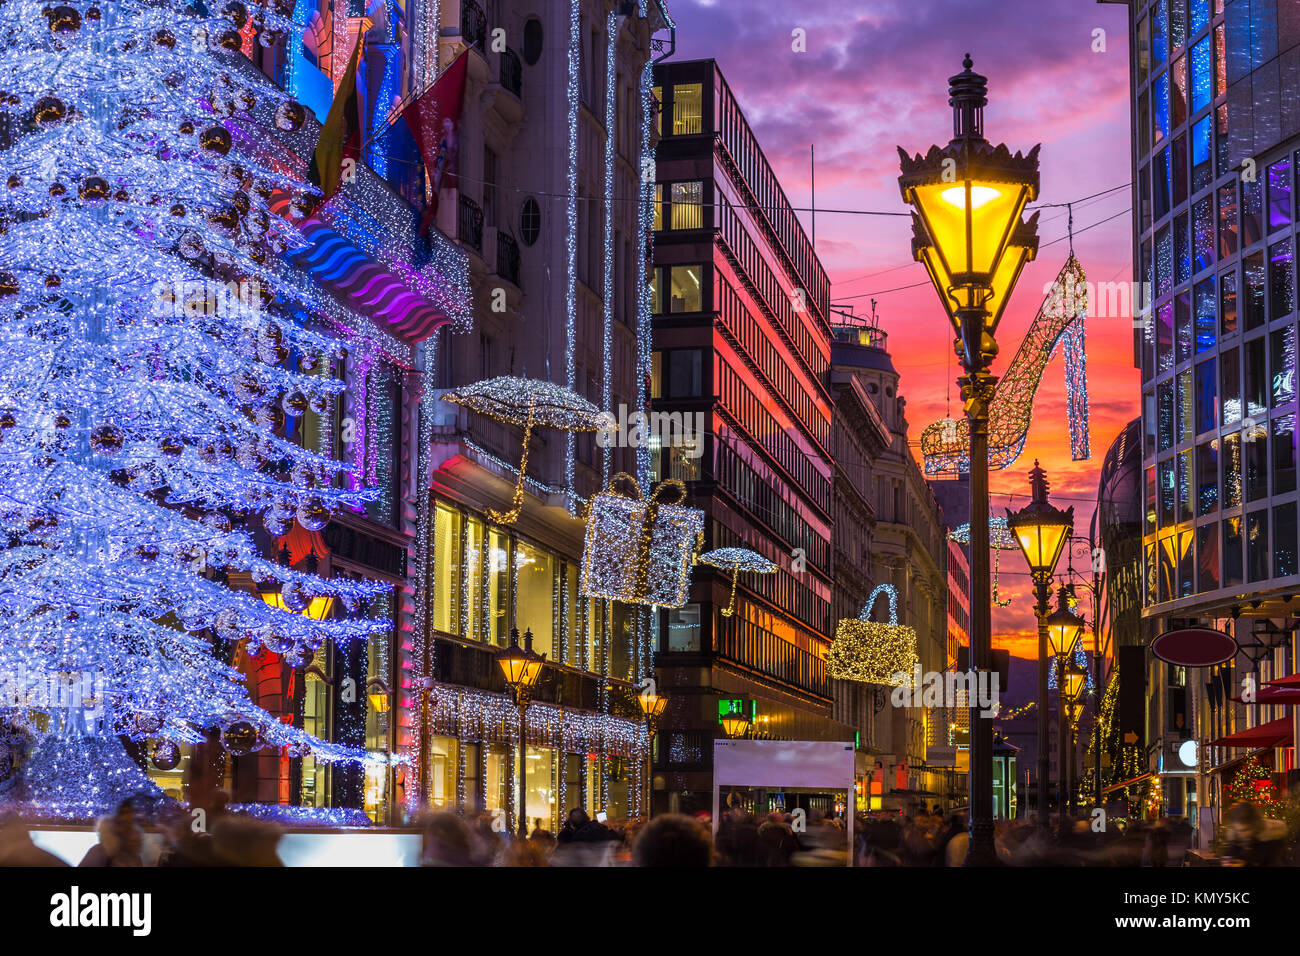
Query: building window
<point x="530" y="221"/>
<point x="685" y="377"/>
<point x="535" y="596"/>
<point x="686" y="289"/>
<point x="446" y="568"/>
<point x="688" y="109"/>
<point x="532" y="40"/>
<point x="687" y="205"/>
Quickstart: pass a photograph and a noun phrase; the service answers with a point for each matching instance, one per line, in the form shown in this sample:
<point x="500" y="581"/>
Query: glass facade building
<point x="1215" y="173"/>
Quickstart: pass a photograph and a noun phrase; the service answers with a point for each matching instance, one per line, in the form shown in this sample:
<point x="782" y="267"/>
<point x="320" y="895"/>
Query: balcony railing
<point x="512" y="72"/>
<point x="772" y="656"/>
<point x="473" y="25"/>
<point x="507" y="258"/>
<point x="469" y="223"/>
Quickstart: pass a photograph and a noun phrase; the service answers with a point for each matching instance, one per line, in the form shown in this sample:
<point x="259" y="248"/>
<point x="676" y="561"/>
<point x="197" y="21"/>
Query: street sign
<point x="1194" y="647"/>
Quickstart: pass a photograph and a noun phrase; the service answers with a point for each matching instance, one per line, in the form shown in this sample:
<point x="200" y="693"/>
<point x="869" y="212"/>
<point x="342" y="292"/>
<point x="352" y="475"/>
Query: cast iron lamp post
<point x="522" y="668"/>
<point x="967" y="199"/>
<point x="1063" y="630"/>
<point x="1041" y="530"/>
<point x="1070" y="682"/>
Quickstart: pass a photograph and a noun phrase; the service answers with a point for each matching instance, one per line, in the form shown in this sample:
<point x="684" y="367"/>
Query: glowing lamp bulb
<point x="979" y="196"/>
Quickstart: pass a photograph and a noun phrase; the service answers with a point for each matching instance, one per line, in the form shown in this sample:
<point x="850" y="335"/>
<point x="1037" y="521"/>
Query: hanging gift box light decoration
<point x="527" y="403"/>
<point x="736" y="560"/>
<point x="639" y="550"/>
<point x="871" y="652"/>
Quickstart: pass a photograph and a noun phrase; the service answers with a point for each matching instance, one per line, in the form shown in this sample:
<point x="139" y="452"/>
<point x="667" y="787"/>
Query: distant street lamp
<point x="1041" y="530"/>
<point x="652" y="708"/>
<point x="735" y="723"/>
<point x="522" y="668"/>
<point x="967" y="199"/>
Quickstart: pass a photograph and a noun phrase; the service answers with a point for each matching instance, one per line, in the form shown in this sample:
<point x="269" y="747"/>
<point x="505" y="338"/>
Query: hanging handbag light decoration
<point x="527" y="403"/>
<point x="736" y="560"/>
<point x="871" y="652"/>
<point x="639" y="550"/>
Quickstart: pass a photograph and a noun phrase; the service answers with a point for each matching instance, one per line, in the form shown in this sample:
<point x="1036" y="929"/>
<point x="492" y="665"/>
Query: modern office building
<point x="1214" y="169"/>
<point x="742" y="338"/>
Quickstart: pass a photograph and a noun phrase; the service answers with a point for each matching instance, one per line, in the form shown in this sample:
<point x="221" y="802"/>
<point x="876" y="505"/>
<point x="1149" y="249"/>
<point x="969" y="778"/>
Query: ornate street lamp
<point x="652" y="708"/>
<point x="522" y="667"/>
<point x="1041" y="530"/>
<point x="967" y="199"/>
<point x="735" y="723"/>
<point x="1064" y="627"/>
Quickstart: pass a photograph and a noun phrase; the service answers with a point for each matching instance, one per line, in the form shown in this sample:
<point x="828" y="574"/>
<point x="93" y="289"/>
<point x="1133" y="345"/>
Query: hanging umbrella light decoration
<point x="1000" y="539"/>
<point x="527" y="403"/>
<point x="736" y="560"/>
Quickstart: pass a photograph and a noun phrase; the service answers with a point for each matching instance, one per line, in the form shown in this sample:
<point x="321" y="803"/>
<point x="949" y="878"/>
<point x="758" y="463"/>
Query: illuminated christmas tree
<point x="158" y="368"/>
<point x="1253" y="783"/>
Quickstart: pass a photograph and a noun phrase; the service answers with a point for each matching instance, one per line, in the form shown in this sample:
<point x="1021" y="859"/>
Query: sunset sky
<point x="875" y="76"/>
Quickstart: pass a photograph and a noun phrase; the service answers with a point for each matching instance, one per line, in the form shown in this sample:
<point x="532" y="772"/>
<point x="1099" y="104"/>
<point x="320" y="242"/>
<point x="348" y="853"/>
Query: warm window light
<point x="318" y="609"/>
<point x="979" y="195"/>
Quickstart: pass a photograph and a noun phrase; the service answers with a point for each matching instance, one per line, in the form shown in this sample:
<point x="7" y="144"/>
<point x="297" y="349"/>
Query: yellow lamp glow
<point x="979" y="195"/>
<point x="522" y="666"/>
<point x="1040" y="528"/>
<point x="1023" y="248"/>
<point x="735" y="724"/>
<point x="652" y="705"/>
<point x="1064" y="627"/>
<point x="1072" y="681"/>
<point x="969" y="225"/>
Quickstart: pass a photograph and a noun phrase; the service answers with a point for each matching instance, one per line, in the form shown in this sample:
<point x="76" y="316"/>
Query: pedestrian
<point x="673" y="840"/>
<point x="18" y="849"/>
<point x="120" y="840"/>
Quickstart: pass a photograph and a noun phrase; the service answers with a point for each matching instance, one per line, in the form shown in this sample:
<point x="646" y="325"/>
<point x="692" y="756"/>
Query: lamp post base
<point x="983" y="849"/>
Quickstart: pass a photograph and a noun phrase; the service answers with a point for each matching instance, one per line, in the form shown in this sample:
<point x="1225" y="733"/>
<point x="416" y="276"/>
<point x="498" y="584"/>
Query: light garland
<point x="736" y="560"/>
<point x="526" y="403"/>
<point x="638" y="550"/>
<point x="872" y="652"/>
<point x="298" y="816"/>
<point x="945" y="444"/>
<point x="154" y="428"/>
<point x="1253" y="783"/>
<point x="571" y="239"/>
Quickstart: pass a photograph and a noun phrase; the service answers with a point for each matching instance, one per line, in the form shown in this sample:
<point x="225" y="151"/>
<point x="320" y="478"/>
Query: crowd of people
<point x="744" y="839"/>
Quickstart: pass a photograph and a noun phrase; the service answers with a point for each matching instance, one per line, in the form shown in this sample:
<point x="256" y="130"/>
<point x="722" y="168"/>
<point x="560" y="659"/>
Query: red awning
<point x="1265" y="735"/>
<point x="1128" y="783"/>
<point x="1277" y="696"/>
<point x="1291" y="680"/>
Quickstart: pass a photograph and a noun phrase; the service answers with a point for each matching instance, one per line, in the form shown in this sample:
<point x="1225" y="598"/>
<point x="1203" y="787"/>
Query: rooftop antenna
<point x="812" y="167"/>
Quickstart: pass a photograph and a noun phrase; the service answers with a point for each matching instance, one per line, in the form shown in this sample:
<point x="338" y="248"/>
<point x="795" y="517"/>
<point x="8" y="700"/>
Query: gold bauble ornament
<point x="49" y="110"/>
<point x="107" y="439"/>
<point x="215" y="139"/>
